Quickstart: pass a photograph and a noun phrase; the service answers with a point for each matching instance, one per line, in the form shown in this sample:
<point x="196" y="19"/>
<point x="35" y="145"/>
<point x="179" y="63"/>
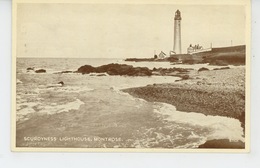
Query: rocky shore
<point x="218" y="92"/>
<point x="129" y="70"/>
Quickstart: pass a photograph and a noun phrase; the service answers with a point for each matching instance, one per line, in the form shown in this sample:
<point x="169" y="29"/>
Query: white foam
<point x="75" y="88"/>
<point x="221" y="127"/>
<point x="54" y="108"/>
<point x="139" y="102"/>
<point x="54" y="85"/>
<point x="58" y="88"/>
<point x="192" y="144"/>
<point x="24" y="109"/>
<point x="26" y="104"/>
<point x="18" y="81"/>
<point x="98" y="74"/>
<point x="48" y="71"/>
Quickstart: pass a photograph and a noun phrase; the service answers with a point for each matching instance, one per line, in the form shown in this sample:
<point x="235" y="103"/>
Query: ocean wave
<point x="167" y="136"/>
<point x="138" y="102"/>
<point x="23" y="109"/>
<point x="55" y="108"/>
<point x="26" y="108"/>
<point x="76" y="89"/>
<point x="65" y="88"/>
<point x="97" y="74"/>
<point x="18" y="81"/>
<point x="219" y="127"/>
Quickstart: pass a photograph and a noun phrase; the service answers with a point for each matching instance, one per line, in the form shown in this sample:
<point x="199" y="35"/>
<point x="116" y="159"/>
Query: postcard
<point x="131" y="76"/>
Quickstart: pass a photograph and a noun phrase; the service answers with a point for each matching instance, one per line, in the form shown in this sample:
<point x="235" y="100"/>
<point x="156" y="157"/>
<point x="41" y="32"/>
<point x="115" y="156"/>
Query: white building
<point x="196" y="49"/>
<point x="162" y="55"/>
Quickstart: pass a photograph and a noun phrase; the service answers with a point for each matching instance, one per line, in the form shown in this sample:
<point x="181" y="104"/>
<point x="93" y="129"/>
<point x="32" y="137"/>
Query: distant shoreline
<point x="234" y="55"/>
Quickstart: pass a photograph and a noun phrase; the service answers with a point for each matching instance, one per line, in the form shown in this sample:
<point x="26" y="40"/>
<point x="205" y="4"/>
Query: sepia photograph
<point x="107" y="76"/>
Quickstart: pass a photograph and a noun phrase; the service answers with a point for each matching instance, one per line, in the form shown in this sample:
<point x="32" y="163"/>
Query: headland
<point x="234" y="55"/>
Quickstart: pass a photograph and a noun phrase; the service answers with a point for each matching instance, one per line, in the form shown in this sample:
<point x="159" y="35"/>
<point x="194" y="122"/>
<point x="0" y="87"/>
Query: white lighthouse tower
<point x="177" y="33"/>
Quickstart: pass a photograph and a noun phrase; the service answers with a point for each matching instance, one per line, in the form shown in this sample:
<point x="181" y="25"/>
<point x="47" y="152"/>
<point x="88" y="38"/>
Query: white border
<point x="245" y="3"/>
<point x="198" y="160"/>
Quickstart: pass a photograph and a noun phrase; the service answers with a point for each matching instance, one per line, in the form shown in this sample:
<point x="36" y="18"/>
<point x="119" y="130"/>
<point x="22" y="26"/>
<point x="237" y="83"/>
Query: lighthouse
<point x="177" y="33"/>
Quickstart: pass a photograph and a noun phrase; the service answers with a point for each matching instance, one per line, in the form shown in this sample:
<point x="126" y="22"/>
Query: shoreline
<point x="213" y="92"/>
<point x="219" y="92"/>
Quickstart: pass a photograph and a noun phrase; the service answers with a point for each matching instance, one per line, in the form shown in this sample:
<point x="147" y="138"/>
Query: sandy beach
<point x="211" y="92"/>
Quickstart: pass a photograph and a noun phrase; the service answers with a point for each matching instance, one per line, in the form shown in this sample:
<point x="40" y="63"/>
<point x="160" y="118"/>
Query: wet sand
<point x="213" y="92"/>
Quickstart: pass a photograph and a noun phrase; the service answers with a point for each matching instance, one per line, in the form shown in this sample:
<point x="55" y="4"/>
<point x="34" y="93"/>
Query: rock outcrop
<point x="40" y="71"/>
<point x="223" y="143"/>
<point x="30" y="69"/>
<point x="203" y="69"/>
<point x="129" y="70"/>
<point x="116" y="69"/>
<point x="221" y="68"/>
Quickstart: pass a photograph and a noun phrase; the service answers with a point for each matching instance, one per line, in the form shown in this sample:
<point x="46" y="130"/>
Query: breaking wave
<point x="58" y="108"/>
<point x="219" y="127"/>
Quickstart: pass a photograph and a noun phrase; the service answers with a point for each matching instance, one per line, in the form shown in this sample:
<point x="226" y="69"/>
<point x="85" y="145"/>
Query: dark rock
<point x="139" y="71"/>
<point x="170" y="71"/>
<point x="172" y="59"/>
<point x="30" y="69"/>
<point x="66" y="71"/>
<point x="116" y="69"/>
<point x="61" y="82"/>
<point x="225" y="68"/>
<point x="129" y="70"/>
<point x="203" y="69"/>
<point x="185" y="77"/>
<point x="103" y="74"/>
<point x="189" y="62"/>
<point x="86" y="69"/>
<point x="223" y="143"/>
<point x="221" y="68"/>
<point x="40" y="71"/>
<point x="219" y="62"/>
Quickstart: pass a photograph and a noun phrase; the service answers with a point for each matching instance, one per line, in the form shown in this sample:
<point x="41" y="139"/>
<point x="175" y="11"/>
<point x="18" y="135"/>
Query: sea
<point x="91" y="111"/>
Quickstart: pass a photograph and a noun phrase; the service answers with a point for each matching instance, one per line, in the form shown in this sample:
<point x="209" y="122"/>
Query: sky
<point x="123" y="30"/>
